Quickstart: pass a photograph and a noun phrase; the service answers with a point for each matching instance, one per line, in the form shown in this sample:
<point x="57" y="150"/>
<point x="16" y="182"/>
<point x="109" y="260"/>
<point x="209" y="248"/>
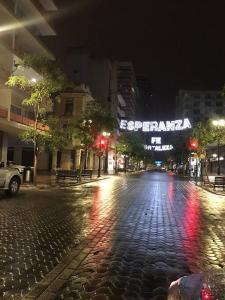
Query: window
<point x="208" y="96"/>
<point x="219" y="103"/>
<point x="208" y="103"/>
<point x="196" y="111"/>
<point x="218" y="96"/>
<point x="196" y="103"/>
<point x="69" y="107"/>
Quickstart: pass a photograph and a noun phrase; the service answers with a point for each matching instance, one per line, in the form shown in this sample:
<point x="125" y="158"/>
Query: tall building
<point x="21" y="25"/>
<point x="100" y="75"/>
<point x="200" y="105"/>
<point x="127" y="87"/>
<point x="145" y="105"/>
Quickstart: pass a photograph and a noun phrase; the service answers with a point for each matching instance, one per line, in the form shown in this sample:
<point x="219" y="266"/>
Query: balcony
<point x="18" y="118"/>
<point x="3" y="113"/>
<point x="26" y="121"/>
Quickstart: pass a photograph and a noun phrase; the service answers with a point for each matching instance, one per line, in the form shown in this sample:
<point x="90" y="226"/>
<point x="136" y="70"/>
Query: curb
<point x="207" y="190"/>
<point x="55" y="186"/>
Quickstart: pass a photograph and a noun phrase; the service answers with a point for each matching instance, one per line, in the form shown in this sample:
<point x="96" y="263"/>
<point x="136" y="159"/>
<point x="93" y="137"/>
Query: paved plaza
<point x="125" y="237"/>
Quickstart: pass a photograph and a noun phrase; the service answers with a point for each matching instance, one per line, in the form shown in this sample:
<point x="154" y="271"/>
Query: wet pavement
<point x="130" y="237"/>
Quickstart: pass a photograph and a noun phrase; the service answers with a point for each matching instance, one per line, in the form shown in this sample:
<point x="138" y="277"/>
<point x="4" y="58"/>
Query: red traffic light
<point x="193" y="144"/>
<point x="102" y="142"/>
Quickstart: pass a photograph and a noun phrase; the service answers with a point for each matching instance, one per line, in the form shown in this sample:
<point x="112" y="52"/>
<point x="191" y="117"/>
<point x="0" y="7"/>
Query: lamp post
<point x="218" y="124"/>
<point x="102" y="145"/>
<point x="116" y="163"/>
<point x="106" y="135"/>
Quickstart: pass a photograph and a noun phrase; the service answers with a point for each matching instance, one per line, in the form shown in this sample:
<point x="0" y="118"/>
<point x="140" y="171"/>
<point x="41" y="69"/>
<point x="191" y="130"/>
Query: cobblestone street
<point x="124" y="237"/>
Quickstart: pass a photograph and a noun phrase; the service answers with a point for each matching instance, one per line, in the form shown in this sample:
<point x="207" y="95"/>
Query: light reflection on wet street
<point x="142" y="231"/>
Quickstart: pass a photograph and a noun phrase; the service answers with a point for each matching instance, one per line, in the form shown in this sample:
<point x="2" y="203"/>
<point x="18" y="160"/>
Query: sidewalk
<point x="49" y="181"/>
<point x="209" y="188"/>
<point x="46" y="181"/>
<point x="206" y="187"/>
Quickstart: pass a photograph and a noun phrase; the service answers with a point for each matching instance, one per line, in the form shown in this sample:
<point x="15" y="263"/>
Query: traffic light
<point x="102" y="143"/>
<point x="193" y="144"/>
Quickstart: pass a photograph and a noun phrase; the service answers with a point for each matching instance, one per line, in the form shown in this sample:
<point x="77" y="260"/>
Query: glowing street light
<point x="219" y="123"/>
<point x="105" y="133"/>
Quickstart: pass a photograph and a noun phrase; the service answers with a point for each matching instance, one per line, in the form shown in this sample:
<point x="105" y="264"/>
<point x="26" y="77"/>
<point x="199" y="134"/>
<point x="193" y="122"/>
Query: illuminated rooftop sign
<point x="149" y="126"/>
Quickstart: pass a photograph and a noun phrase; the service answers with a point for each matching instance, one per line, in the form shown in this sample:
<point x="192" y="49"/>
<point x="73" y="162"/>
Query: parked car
<point x="11" y="164"/>
<point x="10" y="180"/>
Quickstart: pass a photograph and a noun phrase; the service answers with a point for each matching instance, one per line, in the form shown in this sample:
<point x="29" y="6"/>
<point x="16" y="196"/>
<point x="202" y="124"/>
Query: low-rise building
<point x="72" y="106"/>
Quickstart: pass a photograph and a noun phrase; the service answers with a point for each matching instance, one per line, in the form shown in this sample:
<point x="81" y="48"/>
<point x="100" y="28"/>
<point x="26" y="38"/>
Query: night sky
<point x="175" y="44"/>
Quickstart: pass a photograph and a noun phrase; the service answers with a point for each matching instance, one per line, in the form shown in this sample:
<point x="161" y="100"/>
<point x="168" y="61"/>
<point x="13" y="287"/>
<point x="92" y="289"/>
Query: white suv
<point x="10" y="180"/>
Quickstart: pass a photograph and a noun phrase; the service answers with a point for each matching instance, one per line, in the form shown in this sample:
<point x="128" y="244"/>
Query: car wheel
<point x="14" y="186"/>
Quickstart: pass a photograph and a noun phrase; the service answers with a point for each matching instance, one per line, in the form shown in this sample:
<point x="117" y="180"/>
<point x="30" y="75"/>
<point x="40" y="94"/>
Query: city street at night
<point x="124" y="237"/>
<point x="112" y="150"/>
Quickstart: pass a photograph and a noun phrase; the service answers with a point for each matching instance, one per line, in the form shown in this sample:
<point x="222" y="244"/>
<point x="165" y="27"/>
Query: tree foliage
<point x="39" y="96"/>
<point x="203" y="132"/>
<point x="96" y="119"/>
<point x="206" y="133"/>
<point x="132" y="144"/>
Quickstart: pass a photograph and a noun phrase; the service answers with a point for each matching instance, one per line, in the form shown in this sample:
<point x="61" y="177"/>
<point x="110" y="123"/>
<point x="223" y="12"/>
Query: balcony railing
<point x="26" y="121"/>
<point x="21" y="119"/>
<point x="3" y="112"/>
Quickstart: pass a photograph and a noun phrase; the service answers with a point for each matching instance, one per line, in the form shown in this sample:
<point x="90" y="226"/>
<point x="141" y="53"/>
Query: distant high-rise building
<point x="100" y="75"/>
<point x="128" y="87"/>
<point x="145" y="106"/>
<point x="200" y="106"/>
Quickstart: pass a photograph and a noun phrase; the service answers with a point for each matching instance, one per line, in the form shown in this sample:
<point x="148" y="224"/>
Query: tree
<point x="180" y="150"/>
<point x="57" y="136"/>
<point x="39" y="96"/>
<point x="203" y="133"/>
<point x="131" y="145"/>
<point x="96" y="119"/>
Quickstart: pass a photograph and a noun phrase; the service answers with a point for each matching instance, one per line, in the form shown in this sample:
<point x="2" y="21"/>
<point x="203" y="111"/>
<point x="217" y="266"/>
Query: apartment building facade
<point x="21" y="25"/>
<point x="200" y="105"/>
<point x="127" y="86"/>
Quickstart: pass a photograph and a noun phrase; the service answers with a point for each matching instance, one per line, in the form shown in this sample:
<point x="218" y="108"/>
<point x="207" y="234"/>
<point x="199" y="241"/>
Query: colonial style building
<point x="72" y="106"/>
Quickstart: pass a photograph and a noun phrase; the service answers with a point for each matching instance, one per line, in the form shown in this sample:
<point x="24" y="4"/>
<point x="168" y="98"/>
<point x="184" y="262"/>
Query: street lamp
<point x="218" y="124"/>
